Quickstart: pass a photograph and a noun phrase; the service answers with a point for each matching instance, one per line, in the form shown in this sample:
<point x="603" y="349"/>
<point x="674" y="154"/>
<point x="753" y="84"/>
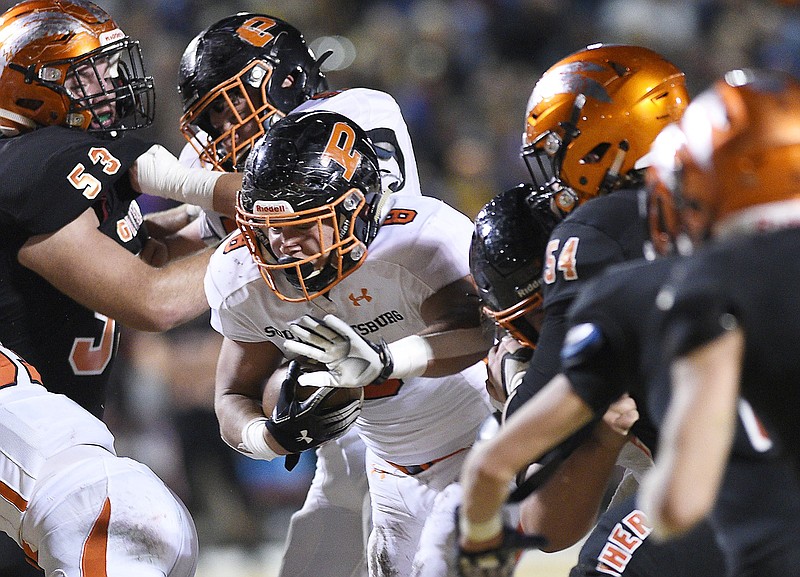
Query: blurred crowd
<point x="461" y="71"/>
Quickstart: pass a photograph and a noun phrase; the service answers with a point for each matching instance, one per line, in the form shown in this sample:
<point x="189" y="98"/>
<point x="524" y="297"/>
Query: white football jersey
<point x="421" y="247"/>
<point x="35" y="424"/>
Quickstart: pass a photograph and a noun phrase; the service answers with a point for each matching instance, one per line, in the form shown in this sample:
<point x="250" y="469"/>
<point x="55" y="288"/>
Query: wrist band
<point x="159" y="173"/>
<point x="253" y="444"/>
<point x="482" y="531"/>
<point x="410" y="356"/>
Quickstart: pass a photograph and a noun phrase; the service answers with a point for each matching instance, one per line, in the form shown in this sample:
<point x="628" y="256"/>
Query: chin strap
<point x="611" y="178"/>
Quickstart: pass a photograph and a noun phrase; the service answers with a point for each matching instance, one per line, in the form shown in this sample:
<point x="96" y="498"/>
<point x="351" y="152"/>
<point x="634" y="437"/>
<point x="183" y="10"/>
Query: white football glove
<point x="352" y="360"/>
<point x="506" y="366"/>
<point x="515" y="365"/>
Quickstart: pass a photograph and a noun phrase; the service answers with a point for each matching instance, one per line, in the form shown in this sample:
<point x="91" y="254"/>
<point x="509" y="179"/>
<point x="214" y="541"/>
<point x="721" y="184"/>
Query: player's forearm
<point x="241" y="424"/>
<point x="166" y="222"/>
<point x="225" y="190"/>
<point x="697" y="436"/>
<point x="492" y="464"/>
<point x="172" y="295"/>
<point x="486" y="484"/>
<point x="566" y="507"/>
<point x="157" y="172"/>
<point x="456" y="349"/>
<point x="114" y="282"/>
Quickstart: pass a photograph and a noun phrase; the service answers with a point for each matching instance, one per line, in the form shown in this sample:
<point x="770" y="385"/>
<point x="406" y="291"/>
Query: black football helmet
<point x="506" y="257"/>
<point x="66" y="62"/>
<point x="251" y="70"/>
<point x="314" y="170"/>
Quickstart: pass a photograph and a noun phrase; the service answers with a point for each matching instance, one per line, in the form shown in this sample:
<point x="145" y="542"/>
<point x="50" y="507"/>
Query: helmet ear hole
<point x="29" y="103"/>
<point x="596" y="154"/>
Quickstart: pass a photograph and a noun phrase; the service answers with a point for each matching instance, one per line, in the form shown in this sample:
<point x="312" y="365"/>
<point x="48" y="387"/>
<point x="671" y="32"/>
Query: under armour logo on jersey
<point x="304" y="436"/>
<point x="357" y="300"/>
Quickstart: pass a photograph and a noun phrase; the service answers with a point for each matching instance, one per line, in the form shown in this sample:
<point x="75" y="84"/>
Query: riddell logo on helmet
<point x="272" y="207"/>
<point x="111" y="36"/>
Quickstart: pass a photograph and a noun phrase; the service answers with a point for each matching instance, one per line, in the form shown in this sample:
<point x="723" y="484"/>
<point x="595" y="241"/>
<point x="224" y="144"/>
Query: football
<point x="338" y="398"/>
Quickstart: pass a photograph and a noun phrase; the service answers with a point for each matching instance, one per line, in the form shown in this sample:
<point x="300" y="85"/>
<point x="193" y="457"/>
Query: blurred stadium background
<point x="462" y="71"/>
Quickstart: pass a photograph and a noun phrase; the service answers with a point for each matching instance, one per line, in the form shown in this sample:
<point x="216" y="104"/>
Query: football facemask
<point x="339" y="252"/>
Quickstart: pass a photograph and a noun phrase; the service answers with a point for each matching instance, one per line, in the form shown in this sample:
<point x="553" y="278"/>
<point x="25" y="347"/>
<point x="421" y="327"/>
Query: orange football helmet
<point x="66" y="62"/>
<point x="658" y="207"/>
<point x="592" y="117"/>
<point x="740" y="148"/>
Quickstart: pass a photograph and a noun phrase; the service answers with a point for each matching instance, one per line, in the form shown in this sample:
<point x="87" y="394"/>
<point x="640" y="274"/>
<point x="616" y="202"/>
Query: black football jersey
<point x="51" y="176"/>
<point x="620" y="545"/>
<point x="609" y="349"/>
<point x="756" y="281"/>
<point x="599" y="233"/>
<point x="613" y="346"/>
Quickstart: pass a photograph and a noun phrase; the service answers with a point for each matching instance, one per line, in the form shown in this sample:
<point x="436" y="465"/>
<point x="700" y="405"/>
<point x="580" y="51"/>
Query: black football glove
<point x="499" y="561"/>
<point x="299" y="425"/>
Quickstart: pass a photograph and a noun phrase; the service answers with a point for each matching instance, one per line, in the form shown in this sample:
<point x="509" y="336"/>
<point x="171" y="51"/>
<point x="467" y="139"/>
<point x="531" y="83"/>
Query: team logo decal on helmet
<point x="309" y="204"/>
<point x="237" y="78"/>
<point x="67" y="63"/>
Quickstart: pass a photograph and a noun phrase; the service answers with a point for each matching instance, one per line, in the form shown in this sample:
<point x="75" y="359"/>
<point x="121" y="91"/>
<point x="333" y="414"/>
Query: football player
<point x="237" y="78"/>
<point x="508" y="242"/>
<point x="245" y="72"/>
<point x="591" y="120"/>
<point x="729" y="319"/>
<point x="329" y="262"/>
<point x="75" y="250"/>
<point x="77" y="258"/>
<point x="506" y="263"/>
<point x="69" y="501"/>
